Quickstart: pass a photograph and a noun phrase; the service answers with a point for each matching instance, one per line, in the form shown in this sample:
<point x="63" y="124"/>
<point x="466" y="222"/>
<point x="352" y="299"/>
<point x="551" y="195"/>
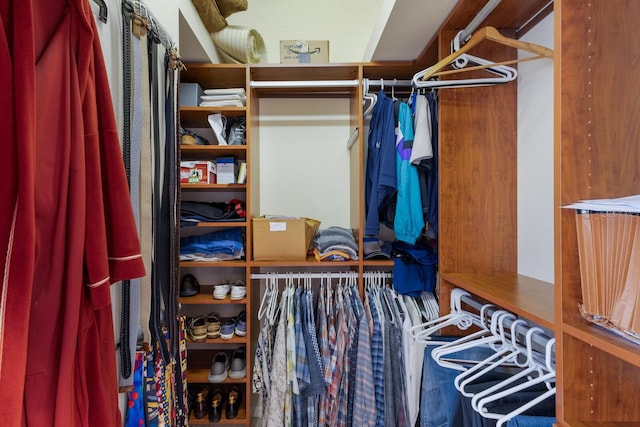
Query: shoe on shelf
<point x="215" y="408"/>
<point x="228" y="328"/>
<point x="241" y="324"/>
<point x="213" y="325"/>
<point x="238" y="290"/>
<point x="189" y="286"/>
<point x="219" y="367"/>
<point x="198" y="329"/>
<point x="238" y="367"/>
<point x="234" y="399"/>
<point x="221" y="290"/>
<point x="201" y="403"/>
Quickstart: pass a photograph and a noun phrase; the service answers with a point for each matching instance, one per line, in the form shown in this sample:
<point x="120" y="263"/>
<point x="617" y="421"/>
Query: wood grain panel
<point x="599" y="387"/>
<point x="478" y="177"/>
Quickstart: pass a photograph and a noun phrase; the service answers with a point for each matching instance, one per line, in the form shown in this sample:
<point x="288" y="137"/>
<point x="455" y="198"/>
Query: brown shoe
<point x="215" y="408"/>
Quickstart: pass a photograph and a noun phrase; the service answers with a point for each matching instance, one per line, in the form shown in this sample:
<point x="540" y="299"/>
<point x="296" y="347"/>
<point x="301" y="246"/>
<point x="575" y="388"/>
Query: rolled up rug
<point x="239" y="45"/>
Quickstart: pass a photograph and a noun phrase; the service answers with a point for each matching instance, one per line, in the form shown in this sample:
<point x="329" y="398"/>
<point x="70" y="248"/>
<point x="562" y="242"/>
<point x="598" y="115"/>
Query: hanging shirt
<point x="409" y="220"/>
<point x="380" y="182"/>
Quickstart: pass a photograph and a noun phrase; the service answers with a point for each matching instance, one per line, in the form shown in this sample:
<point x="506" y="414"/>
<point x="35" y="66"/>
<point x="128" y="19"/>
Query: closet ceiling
<point x="412" y="24"/>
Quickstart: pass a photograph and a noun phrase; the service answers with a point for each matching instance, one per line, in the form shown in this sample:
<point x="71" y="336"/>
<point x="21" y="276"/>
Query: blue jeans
<point x="441" y="404"/>
<point x="531" y="421"/>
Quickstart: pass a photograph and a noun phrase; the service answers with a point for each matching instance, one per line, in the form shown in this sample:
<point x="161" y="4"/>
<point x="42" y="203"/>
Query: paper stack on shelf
<point x="232" y="97"/>
<point x="608" y="233"/>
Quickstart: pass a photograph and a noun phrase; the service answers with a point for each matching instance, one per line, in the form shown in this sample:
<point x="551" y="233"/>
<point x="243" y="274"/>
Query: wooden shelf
<point x="201" y="375"/>
<point x="309" y="262"/>
<point x="196" y="117"/>
<point x="530" y="298"/>
<point x="605" y="340"/>
<point x="216" y="224"/>
<point x="221" y="264"/>
<point x="603" y="423"/>
<point x="207" y="299"/>
<point x="202" y="345"/>
<point x="241" y="419"/>
<point x="208" y="187"/>
<point x="208" y="152"/>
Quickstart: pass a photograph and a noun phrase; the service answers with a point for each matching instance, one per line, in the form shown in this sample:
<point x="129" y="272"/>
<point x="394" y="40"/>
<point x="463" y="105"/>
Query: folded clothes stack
<point x="217" y="246"/>
<point x="335" y="244"/>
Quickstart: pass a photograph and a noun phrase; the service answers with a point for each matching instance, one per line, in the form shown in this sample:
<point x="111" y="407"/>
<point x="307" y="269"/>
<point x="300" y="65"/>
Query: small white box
<point x="226" y="170"/>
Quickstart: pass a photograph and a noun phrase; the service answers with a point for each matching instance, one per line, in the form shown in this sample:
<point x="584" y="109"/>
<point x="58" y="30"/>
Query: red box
<point x="205" y="172"/>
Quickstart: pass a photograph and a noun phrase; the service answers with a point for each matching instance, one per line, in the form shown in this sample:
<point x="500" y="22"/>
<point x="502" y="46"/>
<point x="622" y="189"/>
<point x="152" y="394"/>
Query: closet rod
<point x="326" y="275"/>
<point x="302" y="84"/>
<point x="536" y="338"/>
<point x="389" y="82"/>
<point x="465" y="34"/>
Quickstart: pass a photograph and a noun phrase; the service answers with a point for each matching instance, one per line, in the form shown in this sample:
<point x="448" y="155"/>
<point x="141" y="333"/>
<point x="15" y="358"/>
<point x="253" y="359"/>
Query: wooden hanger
<point x="487" y="33"/>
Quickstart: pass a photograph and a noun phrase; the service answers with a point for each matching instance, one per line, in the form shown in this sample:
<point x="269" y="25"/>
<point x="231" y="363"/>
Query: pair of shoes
<point x="236" y="325"/>
<point x="189" y="286"/>
<point x="221" y="290"/>
<point x="238" y="368"/>
<point x="213" y="325"/>
<point x="219" y="367"/>
<point x="232" y="399"/>
<point x="238" y="290"/>
<point x="198" y="329"/>
<point x="201" y="402"/>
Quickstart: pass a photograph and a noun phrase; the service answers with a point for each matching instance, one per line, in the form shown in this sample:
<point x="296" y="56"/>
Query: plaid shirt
<point x="302" y="365"/>
<point x="364" y="405"/>
<point x="377" y="357"/>
<point x="337" y="363"/>
<point x="325" y="352"/>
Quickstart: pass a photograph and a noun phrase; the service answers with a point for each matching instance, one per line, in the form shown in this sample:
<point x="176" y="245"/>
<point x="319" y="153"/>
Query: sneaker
<point x="219" y="367"/>
<point x="238" y="290"/>
<point x="238" y="367"/>
<point x="228" y="328"/>
<point x="198" y="328"/>
<point x="221" y="290"/>
<point x="213" y="325"/>
<point x="241" y="324"/>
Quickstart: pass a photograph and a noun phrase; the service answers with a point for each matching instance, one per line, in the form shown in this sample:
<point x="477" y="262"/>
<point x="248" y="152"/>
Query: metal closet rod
<point x="540" y="339"/>
<point x="277" y="84"/>
<point x="325" y="275"/>
<point x="465" y="34"/>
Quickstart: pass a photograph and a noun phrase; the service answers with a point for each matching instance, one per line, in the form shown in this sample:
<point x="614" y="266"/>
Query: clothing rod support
<point x="329" y="275"/>
<point x="303" y="83"/>
<point x="478" y="19"/>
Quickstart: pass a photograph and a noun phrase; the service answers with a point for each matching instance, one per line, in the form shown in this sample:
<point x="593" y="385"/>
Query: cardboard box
<point x="304" y="51"/>
<point x="226" y="170"/>
<point x="197" y="172"/>
<point x="190" y="94"/>
<point x="283" y="239"/>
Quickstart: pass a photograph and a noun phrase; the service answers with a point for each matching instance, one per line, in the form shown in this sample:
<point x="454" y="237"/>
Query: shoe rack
<point x="201" y="353"/>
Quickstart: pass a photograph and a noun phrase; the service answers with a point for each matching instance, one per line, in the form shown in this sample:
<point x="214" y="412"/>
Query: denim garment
<point x="506" y="404"/>
<point x="441" y="404"/>
<point x="531" y="421"/>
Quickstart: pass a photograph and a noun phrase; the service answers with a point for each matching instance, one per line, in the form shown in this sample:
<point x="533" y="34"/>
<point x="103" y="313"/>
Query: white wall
<point x="304" y="160"/>
<point x="535" y="159"/>
<point x="346" y="24"/>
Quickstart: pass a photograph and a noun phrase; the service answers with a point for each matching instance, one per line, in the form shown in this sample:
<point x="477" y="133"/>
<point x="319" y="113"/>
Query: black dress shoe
<point x="189" y="286"/>
<point x="234" y="399"/>
<point x="201" y="403"/>
<point x="215" y="407"/>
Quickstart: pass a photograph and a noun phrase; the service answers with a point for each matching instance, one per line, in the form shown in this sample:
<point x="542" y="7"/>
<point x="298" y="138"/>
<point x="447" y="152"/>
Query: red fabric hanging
<point x="80" y="233"/>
